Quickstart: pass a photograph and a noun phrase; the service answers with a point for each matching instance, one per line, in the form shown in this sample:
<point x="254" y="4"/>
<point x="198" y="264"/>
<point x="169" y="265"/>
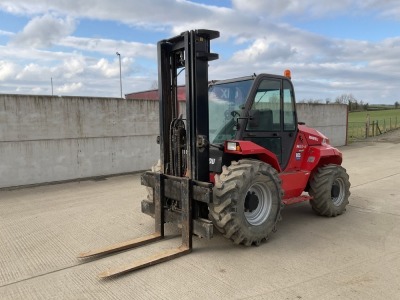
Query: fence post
<point x="367" y="126"/>
<point x="378" y="128"/>
<point x="373" y="128"/>
<point x="390" y="123"/>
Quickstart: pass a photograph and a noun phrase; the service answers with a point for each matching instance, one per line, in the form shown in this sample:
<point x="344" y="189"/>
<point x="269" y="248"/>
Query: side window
<point x="289" y="117"/>
<point x="266" y="107"/>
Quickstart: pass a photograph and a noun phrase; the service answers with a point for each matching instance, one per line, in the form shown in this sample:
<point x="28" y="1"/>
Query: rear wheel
<point x="330" y="189"/>
<point x="246" y="202"/>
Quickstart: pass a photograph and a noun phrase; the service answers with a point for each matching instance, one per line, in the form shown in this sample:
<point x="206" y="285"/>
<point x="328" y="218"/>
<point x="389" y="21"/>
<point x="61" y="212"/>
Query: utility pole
<point x="52" y="86"/>
<point x="120" y="72"/>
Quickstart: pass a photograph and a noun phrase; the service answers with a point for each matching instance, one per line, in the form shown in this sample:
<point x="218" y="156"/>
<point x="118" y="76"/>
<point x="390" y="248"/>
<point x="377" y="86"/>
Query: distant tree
<point x="328" y="100"/>
<point x="313" y="101"/>
<point x="345" y="99"/>
<point x="361" y="106"/>
<point x="351" y="101"/>
<point x="396" y="104"/>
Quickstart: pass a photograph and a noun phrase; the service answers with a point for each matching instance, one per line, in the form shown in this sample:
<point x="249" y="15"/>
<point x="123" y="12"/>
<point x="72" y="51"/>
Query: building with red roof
<point x="153" y="94"/>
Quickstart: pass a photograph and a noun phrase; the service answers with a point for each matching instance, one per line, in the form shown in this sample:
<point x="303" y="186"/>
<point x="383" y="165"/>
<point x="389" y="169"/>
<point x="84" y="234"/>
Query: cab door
<point x="272" y="122"/>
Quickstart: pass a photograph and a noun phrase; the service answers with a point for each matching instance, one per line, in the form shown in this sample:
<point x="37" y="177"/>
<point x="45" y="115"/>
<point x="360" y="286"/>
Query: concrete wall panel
<point x="330" y="120"/>
<point x="46" y="117"/>
<point x="32" y="162"/>
<point x="46" y="139"/>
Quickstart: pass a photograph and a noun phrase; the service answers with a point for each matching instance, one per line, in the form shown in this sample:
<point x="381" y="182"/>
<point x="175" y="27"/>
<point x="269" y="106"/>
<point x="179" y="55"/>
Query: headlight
<point x="325" y="142"/>
<point x="231" y="146"/>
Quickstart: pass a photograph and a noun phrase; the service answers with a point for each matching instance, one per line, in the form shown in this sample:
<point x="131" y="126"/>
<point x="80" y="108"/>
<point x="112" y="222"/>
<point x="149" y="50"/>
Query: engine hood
<point x="313" y="136"/>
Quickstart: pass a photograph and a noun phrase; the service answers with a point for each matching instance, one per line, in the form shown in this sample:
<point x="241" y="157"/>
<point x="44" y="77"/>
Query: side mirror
<point x="236" y="114"/>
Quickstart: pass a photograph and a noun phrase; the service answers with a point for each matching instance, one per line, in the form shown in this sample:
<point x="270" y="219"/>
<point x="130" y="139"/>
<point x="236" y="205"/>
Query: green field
<point x="361" y="116"/>
<point x="380" y="122"/>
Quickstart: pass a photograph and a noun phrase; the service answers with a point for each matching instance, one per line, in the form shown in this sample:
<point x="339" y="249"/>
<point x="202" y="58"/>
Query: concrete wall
<point x="47" y="139"/>
<point x="330" y="120"/>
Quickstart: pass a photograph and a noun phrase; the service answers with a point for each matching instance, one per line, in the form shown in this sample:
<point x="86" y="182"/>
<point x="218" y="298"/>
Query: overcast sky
<point x="332" y="47"/>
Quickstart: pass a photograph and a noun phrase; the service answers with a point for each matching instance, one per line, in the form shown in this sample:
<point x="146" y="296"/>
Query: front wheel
<point x="330" y="189"/>
<point x="246" y="201"/>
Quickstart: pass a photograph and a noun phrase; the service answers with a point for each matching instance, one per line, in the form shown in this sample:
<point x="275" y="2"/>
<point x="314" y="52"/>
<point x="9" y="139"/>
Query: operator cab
<point x="260" y="109"/>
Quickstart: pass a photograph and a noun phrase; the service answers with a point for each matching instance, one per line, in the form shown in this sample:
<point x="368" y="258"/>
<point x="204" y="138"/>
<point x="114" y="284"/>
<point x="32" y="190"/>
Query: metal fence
<point x="363" y="130"/>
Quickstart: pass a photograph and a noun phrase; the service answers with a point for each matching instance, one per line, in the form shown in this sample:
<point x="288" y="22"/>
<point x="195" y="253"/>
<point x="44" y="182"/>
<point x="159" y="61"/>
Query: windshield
<point x="224" y="99"/>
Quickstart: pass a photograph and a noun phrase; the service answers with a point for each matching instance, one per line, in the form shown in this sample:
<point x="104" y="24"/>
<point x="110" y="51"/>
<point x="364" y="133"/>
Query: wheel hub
<point x="257" y="204"/>
<point x="335" y="191"/>
<point x="251" y="202"/>
<point x="338" y="191"/>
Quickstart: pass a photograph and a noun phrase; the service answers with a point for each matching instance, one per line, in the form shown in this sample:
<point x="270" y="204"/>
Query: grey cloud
<point x="316" y="8"/>
<point x="107" y="46"/>
<point x="44" y="31"/>
<point x="165" y="12"/>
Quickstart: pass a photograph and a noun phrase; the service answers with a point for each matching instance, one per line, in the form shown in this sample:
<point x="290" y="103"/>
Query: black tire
<point x="330" y="189"/>
<point x="246" y="202"/>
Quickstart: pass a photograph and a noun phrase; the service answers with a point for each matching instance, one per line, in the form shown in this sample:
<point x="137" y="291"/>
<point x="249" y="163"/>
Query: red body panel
<point x="294" y="183"/>
<point x="248" y="148"/>
<point x="313" y="136"/>
<point x="311" y="150"/>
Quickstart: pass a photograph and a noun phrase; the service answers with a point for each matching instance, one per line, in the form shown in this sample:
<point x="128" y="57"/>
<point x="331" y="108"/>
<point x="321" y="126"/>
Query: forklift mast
<point x="184" y="151"/>
<point x="182" y="188"/>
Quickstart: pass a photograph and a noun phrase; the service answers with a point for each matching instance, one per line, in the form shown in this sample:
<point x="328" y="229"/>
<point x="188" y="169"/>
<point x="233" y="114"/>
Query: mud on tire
<point x="246" y="202"/>
<point x="330" y="189"/>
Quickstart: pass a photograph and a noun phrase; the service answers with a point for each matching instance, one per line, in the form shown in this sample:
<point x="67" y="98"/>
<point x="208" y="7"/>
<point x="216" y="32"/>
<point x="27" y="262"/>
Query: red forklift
<point x="234" y="159"/>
